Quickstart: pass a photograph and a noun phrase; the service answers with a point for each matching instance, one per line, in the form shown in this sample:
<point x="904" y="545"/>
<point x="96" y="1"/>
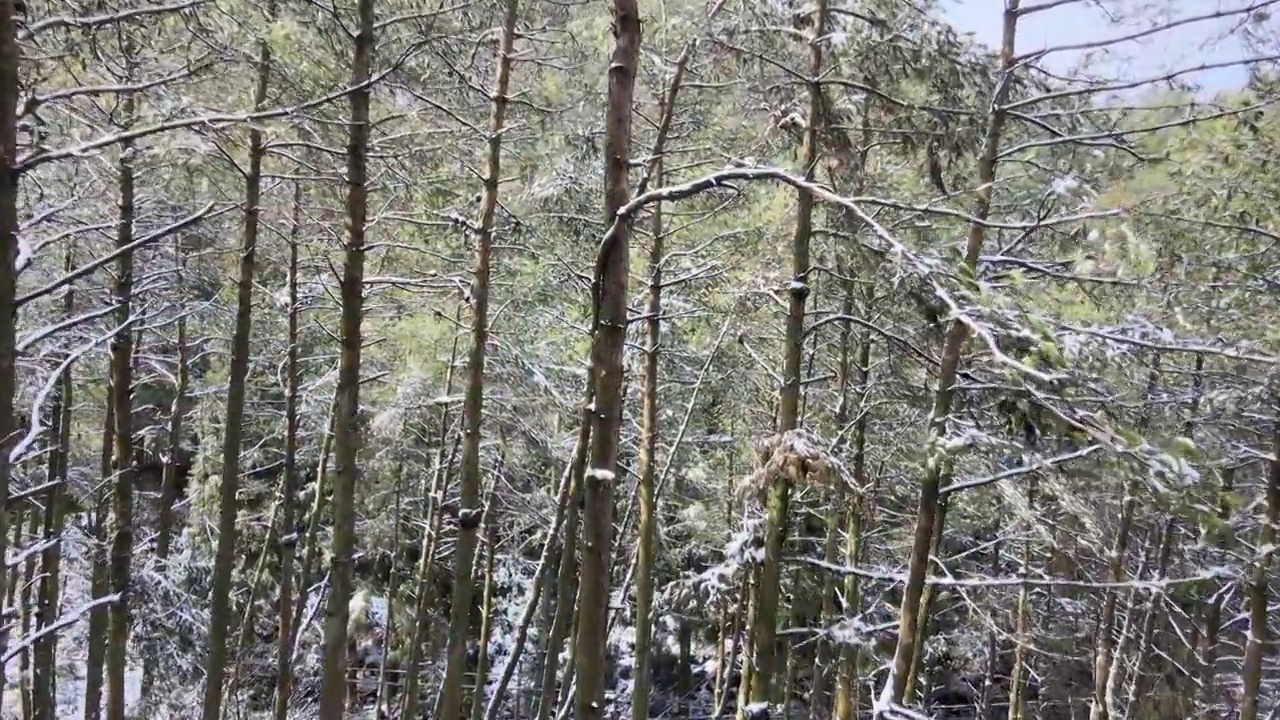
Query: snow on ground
<point x="72" y="642"/>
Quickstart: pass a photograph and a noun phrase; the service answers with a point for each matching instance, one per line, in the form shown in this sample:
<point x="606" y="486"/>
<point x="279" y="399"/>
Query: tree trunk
<point x="426" y="561"/>
<point x="757" y="684"/>
<point x="117" y="653"/>
<point x="311" y="543"/>
<point x="229" y="506"/>
<point x="95" y="654"/>
<point x="347" y="433"/>
<point x="1022" y="622"/>
<point x="566" y="575"/>
<point x="610" y="326"/>
<point x="169" y="482"/>
<point x="473" y="406"/>
<point x="648" y="461"/>
<point x="953" y="347"/>
<point x="927" y="599"/>
<point x="44" y="701"/>
<point x="1256" y="590"/>
<point x="486" y="607"/>
<point x="1150" y="618"/>
<point x="1104" y="654"/>
<point x="848" y="690"/>
<point x="8" y="271"/>
<point x="288" y="499"/>
<point x="27" y="609"/>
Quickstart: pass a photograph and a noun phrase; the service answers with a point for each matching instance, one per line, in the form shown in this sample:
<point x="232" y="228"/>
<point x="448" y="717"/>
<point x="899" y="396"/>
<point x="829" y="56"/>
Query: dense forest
<point x="688" y="359"/>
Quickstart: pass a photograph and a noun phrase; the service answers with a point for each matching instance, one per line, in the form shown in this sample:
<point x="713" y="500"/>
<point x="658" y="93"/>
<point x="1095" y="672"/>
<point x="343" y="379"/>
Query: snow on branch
<point x="22" y="448"/>
<point x="1152" y="585"/>
<point x="66" y="619"/>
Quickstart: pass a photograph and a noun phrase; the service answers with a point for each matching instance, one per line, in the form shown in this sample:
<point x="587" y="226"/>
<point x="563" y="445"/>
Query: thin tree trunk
<point x="1104" y="654"/>
<point x="1129" y="628"/>
<point x="757" y="684"/>
<point x="684" y="667"/>
<point x="564" y="501"/>
<point x="473" y="406"/>
<point x="117" y="653"/>
<point x="958" y="334"/>
<point x="1022" y="622"/>
<point x="1257" y="591"/>
<point x="648" y="461"/>
<point x="27" y="608"/>
<point x="985" y="699"/>
<point x="929" y="596"/>
<point x="848" y="690"/>
<point x="610" y="325"/>
<point x="95" y="654"/>
<point x="169" y="483"/>
<point x="288" y="500"/>
<point x="8" y="272"/>
<point x="44" y="702"/>
<point x="311" y="543"/>
<point x="739" y="648"/>
<point x="242" y="629"/>
<point x="389" y="638"/>
<point x="486" y="610"/>
<point x="566" y="575"/>
<point x="347" y="433"/>
<point x="229" y="506"/>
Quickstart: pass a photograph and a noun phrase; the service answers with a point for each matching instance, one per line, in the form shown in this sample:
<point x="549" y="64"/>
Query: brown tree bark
<point x="757" y="684"/>
<point x="122" y="455"/>
<point x="228" y="502"/>
<point x="610" y="325"/>
<point x="648" y="460"/>
<point x="289" y="493"/>
<point x="346" y="439"/>
<point x="469" y="516"/>
<point x="99" y="616"/>
<point x="953" y="347"/>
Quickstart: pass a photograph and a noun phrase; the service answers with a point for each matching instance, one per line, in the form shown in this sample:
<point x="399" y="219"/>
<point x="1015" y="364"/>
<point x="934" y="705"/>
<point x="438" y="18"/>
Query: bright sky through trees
<point x="1194" y="44"/>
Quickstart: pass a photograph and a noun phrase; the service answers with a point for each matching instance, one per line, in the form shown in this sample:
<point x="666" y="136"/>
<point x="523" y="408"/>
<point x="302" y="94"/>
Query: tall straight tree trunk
<point x="229" y="507"/>
<point x="8" y="258"/>
<point x="1257" y="591"/>
<point x="827" y="648"/>
<point x="289" y="499"/>
<point x="473" y="405"/>
<point x="346" y="439"/>
<point x="610" y="328"/>
<point x="564" y="500"/>
<point x="757" y="680"/>
<point x="100" y="581"/>
<point x="953" y="347"/>
<point x="26" y="608"/>
<point x="648" y="461"/>
<point x="117" y="655"/>
<point x="44" y="700"/>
